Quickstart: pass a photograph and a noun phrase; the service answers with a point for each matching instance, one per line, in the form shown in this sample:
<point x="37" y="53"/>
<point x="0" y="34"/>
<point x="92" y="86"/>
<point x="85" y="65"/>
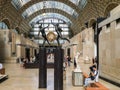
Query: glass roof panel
<point x="19" y="3"/>
<point x="80" y="3"/>
<point x="50" y="15"/>
<point x="76" y="2"/>
<point x="49" y="4"/>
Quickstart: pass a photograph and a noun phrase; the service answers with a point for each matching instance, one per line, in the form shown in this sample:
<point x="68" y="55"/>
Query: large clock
<point x="51" y="36"/>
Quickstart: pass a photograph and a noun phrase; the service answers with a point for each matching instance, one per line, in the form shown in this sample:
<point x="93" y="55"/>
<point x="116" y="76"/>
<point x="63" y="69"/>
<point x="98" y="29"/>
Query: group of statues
<point x="58" y="31"/>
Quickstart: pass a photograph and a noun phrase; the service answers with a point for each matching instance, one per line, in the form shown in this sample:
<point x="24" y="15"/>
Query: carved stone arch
<point x="83" y="34"/>
<point x="18" y="30"/>
<point x="82" y="28"/>
<point x="7" y="22"/>
<point x="109" y="7"/>
<point x="92" y="23"/>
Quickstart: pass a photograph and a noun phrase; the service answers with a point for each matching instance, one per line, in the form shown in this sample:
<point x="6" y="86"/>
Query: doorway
<point x="27" y="53"/>
<point x="68" y="51"/>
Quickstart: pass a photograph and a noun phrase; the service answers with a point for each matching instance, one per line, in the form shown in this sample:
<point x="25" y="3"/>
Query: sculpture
<point x="58" y="31"/>
<point x="42" y="30"/>
<point x="76" y="59"/>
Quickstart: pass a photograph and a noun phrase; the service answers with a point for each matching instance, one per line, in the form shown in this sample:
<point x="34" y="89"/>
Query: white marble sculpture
<point x="77" y="69"/>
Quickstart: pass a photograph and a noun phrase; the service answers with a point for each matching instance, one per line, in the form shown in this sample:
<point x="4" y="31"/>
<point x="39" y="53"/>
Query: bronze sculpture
<point x="42" y="30"/>
<point x="59" y="34"/>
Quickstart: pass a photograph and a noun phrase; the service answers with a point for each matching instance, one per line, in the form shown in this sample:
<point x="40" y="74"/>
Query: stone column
<point x="42" y="68"/>
<point x="58" y="69"/>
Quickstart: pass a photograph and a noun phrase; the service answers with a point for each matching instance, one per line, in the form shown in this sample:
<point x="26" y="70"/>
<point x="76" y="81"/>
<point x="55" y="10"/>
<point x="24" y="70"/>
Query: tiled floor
<point x="27" y="79"/>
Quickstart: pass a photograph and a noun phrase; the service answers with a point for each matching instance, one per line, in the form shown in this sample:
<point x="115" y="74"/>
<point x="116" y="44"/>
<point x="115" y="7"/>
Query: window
<point x="50" y="15"/>
<point x="107" y="28"/>
<point x="3" y="25"/>
<point x="80" y="3"/>
<point x="19" y="3"/>
<point x="118" y="23"/>
<point x="45" y="22"/>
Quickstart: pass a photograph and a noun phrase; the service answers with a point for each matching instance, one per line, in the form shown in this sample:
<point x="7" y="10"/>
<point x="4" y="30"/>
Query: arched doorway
<point x="6" y="21"/>
<point x="68" y="51"/>
<point x="92" y="23"/>
<point x="109" y="8"/>
<point x="17" y="30"/>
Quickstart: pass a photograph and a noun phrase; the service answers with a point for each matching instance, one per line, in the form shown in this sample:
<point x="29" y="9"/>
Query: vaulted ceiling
<point x="21" y="13"/>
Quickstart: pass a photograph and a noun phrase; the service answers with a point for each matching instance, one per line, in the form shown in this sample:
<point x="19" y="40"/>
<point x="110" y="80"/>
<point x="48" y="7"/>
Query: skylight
<point x="19" y="3"/>
<point x="76" y="2"/>
<point x="45" y="22"/>
<point x="49" y="4"/>
<point x="80" y="3"/>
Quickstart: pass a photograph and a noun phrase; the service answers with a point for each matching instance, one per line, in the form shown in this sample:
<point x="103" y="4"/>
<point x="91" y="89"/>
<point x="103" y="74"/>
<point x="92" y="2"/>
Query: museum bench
<point x="2" y="75"/>
<point x="94" y="85"/>
<point x="36" y="65"/>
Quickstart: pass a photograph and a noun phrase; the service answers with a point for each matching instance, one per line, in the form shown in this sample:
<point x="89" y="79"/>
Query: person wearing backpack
<point x="92" y="75"/>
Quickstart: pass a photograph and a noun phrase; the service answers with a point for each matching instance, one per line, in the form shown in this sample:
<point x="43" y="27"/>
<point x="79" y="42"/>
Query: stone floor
<point x="27" y="79"/>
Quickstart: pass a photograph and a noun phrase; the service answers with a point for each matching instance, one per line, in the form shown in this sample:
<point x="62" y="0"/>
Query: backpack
<point x="93" y="77"/>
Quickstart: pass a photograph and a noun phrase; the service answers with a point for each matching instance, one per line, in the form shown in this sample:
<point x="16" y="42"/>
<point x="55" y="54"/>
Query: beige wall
<point x="18" y="45"/>
<point x="86" y="48"/>
<point x="109" y="49"/>
<point x="88" y="43"/>
<point x="75" y="45"/>
<point x="5" y="47"/>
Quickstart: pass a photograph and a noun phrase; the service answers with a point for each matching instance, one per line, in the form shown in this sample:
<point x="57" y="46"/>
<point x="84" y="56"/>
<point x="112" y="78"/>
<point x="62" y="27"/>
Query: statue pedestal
<point x="77" y="77"/>
<point x="58" y="69"/>
<point x="42" y="68"/>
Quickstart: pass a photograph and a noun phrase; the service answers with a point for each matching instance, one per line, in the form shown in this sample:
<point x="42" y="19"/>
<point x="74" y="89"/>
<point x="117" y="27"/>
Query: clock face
<point x="51" y="36"/>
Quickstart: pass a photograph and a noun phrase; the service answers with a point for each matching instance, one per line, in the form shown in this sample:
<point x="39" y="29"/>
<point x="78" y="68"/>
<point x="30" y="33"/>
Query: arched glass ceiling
<point x="76" y="2"/>
<point x="80" y="3"/>
<point x="19" y="3"/>
<point x="53" y="15"/>
<point x="49" y="4"/>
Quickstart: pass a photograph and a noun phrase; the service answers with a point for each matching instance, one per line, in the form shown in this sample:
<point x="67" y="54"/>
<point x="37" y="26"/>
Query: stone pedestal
<point x="77" y="78"/>
<point x="58" y="69"/>
<point x="42" y="68"/>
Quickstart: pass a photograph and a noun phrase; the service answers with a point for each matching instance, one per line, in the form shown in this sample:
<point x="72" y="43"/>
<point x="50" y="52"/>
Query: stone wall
<point x="13" y="46"/>
<point x="83" y="43"/>
<point x="109" y="48"/>
<point x="88" y="43"/>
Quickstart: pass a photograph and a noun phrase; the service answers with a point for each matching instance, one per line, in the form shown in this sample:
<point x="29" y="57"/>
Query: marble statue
<point x="77" y="69"/>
